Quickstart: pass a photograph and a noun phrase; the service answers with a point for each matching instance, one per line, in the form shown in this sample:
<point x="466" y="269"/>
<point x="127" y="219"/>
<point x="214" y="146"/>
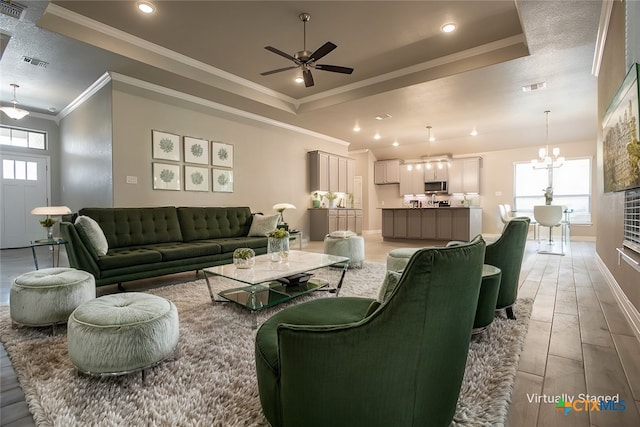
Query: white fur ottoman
<point x="122" y="333"/>
<point x="346" y="244"/>
<point x="48" y="296"/>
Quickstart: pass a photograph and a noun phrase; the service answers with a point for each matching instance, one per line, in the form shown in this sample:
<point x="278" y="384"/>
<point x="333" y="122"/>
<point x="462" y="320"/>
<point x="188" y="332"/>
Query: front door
<point x="25" y="185"/>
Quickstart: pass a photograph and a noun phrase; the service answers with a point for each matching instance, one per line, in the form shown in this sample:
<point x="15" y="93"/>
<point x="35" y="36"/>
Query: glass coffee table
<point x="263" y="289"/>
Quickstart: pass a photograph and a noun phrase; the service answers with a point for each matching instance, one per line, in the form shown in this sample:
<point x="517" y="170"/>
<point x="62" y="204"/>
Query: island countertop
<point x="441" y="223"/>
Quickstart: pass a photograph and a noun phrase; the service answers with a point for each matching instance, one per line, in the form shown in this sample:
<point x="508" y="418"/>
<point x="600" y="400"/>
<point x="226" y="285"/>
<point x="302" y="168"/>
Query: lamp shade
<point x="283" y="206"/>
<point x="14" y="112"/>
<point x="51" y="210"/>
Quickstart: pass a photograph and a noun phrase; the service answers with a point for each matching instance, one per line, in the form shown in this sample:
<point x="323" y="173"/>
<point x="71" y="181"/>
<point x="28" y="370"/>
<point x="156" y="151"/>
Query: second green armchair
<point x="357" y="362"/>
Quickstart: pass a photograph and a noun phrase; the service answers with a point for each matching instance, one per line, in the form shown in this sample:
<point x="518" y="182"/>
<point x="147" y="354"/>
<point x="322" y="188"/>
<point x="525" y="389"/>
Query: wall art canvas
<point x="223" y="180"/>
<point x="166" y="176"/>
<point x="166" y="146"/>
<point x="196" y="150"/>
<point x="196" y="178"/>
<point x="221" y="154"/>
<point x="621" y="147"/>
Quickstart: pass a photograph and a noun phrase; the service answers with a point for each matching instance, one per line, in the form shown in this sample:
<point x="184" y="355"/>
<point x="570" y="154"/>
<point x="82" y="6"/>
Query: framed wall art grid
<point x="166" y="146"/>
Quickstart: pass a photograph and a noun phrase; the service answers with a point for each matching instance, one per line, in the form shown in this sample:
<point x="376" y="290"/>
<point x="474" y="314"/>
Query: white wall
<point x="86" y="155"/>
<point x="270" y="163"/>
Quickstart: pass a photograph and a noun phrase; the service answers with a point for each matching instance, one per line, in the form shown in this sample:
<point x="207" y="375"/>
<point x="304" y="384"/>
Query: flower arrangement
<point x="47" y="222"/>
<point x="244" y="257"/>
<point x="278" y="233"/>
<point x="331" y="196"/>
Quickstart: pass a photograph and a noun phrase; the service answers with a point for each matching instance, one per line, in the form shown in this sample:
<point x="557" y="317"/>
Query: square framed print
<point x="166" y="146"/>
<point x="221" y="154"/>
<point x="196" y="178"/>
<point x="223" y="180"/>
<point x="166" y="177"/>
<point x="196" y="150"/>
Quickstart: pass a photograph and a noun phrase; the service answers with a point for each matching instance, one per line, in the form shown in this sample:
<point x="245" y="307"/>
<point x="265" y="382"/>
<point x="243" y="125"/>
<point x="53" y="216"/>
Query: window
<point x="19" y="169"/>
<point x="22" y="138"/>
<point x="571" y="188"/>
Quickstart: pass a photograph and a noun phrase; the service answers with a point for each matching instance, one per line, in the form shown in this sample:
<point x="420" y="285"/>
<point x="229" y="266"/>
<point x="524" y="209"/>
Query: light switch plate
<point x="132" y="179"/>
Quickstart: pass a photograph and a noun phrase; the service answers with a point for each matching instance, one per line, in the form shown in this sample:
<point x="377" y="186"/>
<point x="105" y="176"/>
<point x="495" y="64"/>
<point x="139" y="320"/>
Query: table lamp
<point x="50" y="211"/>
<point x="280" y="207"/>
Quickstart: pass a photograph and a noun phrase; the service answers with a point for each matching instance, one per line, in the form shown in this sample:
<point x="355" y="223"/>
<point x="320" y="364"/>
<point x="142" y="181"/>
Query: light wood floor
<point x="578" y="339"/>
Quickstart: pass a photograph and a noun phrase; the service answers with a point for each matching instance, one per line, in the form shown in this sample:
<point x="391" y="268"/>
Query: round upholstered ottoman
<point x="350" y="246"/>
<point x="398" y="259"/>
<point x="48" y="296"/>
<point x="122" y="333"/>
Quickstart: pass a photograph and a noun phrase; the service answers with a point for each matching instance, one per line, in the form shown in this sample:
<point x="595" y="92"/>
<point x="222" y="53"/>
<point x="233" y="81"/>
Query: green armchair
<point x="507" y="253"/>
<point x="359" y="362"/>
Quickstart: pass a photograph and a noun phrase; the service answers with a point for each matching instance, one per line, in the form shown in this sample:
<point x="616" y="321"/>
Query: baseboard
<point x="630" y="312"/>
<point x="379" y="232"/>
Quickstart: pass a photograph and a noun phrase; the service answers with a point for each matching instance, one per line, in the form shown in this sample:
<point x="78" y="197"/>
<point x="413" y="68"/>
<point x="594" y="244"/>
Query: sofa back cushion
<point x="136" y="226"/>
<point x="199" y="223"/>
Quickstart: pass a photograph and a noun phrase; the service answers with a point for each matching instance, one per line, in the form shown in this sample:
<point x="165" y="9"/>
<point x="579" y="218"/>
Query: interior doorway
<point x="25" y="185"/>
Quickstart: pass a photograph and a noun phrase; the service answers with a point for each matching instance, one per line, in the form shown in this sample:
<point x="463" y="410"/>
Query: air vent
<point x="11" y="9"/>
<point x="534" y="86"/>
<point x="35" y="62"/>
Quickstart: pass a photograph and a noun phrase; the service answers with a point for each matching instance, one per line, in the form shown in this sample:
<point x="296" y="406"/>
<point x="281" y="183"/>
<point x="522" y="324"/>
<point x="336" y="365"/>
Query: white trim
<point x="630" y="312"/>
<point x="102" y="81"/>
<point x="220" y="107"/>
<point x="603" y="28"/>
<point x="109" y="31"/>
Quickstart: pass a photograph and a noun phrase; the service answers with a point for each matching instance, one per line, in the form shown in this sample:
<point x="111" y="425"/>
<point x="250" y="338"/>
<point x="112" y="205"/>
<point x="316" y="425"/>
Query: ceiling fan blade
<point x="334" y="68"/>
<point x="281" y="53"/>
<point x="266" y="73"/>
<point x="308" y="78"/>
<point x="322" y="51"/>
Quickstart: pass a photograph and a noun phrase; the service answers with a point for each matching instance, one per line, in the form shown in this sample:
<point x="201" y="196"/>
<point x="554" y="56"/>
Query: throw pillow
<point x="261" y="225"/>
<point x="93" y="234"/>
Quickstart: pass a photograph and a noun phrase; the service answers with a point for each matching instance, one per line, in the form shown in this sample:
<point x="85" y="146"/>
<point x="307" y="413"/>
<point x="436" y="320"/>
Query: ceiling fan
<point x="307" y="60"/>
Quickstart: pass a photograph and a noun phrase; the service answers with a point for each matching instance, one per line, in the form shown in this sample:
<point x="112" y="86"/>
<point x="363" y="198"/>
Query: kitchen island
<point x="444" y="223"/>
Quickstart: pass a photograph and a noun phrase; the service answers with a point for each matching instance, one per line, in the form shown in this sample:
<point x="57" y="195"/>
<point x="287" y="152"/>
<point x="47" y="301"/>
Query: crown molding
<point x="102" y="81"/>
<point x="603" y="29"/>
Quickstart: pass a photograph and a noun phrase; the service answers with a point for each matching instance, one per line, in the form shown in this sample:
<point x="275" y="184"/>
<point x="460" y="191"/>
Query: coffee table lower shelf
<point x="258" y="297"/>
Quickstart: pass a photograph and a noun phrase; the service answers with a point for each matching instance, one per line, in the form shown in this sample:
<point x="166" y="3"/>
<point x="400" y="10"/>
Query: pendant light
<point x="546" y="160"/>
<point x="14" y="112"/>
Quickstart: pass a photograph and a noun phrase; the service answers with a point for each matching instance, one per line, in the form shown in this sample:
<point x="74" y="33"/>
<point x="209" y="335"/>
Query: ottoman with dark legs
<point x="122" y="333"/>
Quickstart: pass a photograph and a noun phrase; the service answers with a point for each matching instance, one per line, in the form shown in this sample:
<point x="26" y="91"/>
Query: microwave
<point x="435" y="187"/>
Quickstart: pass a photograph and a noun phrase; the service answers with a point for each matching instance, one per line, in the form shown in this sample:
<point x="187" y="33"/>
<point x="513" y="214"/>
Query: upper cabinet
<point x="329" y="172"/>
<point x="464" y="176"/>
<point x="386" y="172"/>
<point x="437" y="172"/>
<point x="412" y="179"/>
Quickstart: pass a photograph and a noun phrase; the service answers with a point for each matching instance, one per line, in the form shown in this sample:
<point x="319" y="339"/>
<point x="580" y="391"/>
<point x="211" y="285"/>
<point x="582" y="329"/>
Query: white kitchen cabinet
<point x="464" y="176"/>
<point x="411" y="179"/>
<point x="386" y="172"/>
<point x="437" y="172"/>
<point x="328" y="172"/>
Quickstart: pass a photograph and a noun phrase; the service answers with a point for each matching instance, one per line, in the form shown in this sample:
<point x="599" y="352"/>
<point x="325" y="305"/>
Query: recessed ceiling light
<point x="395" y="143"/>
<point x="448" y="27"/>
<point x="356" y="128"/>
<point x="52" y="109"/>
<point x="146" y="7"/>
<point x="299" y="79"/>
<point x="432" y="138"/>
<point x="376" y="136"/>
<point x="474" y="132"/>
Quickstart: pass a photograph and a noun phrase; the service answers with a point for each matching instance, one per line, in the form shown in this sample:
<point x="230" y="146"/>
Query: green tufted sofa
<point x="154" y="241"/>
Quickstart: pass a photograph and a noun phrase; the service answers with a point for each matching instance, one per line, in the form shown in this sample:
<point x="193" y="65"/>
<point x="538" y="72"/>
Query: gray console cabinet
<point x="325" y="221"/>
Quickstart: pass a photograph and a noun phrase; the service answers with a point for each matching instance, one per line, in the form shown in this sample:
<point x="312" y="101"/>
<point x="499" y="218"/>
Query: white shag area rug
<point x="210" y="380"/>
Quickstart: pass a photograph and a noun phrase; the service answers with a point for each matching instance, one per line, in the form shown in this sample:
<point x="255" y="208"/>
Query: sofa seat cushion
<point x="125" y="257"/>
<point x="180" y="250"/>
<point x="230" y="245"/>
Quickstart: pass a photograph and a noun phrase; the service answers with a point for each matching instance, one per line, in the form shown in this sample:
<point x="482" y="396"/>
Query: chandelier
<point x="14" y="112"/>
<point x="548" y="159"/>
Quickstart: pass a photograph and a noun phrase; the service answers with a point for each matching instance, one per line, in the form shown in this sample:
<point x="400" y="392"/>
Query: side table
<point x="53" y="243"/>
<point x="489" y="289"/>
<point x="296" y="235"/>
